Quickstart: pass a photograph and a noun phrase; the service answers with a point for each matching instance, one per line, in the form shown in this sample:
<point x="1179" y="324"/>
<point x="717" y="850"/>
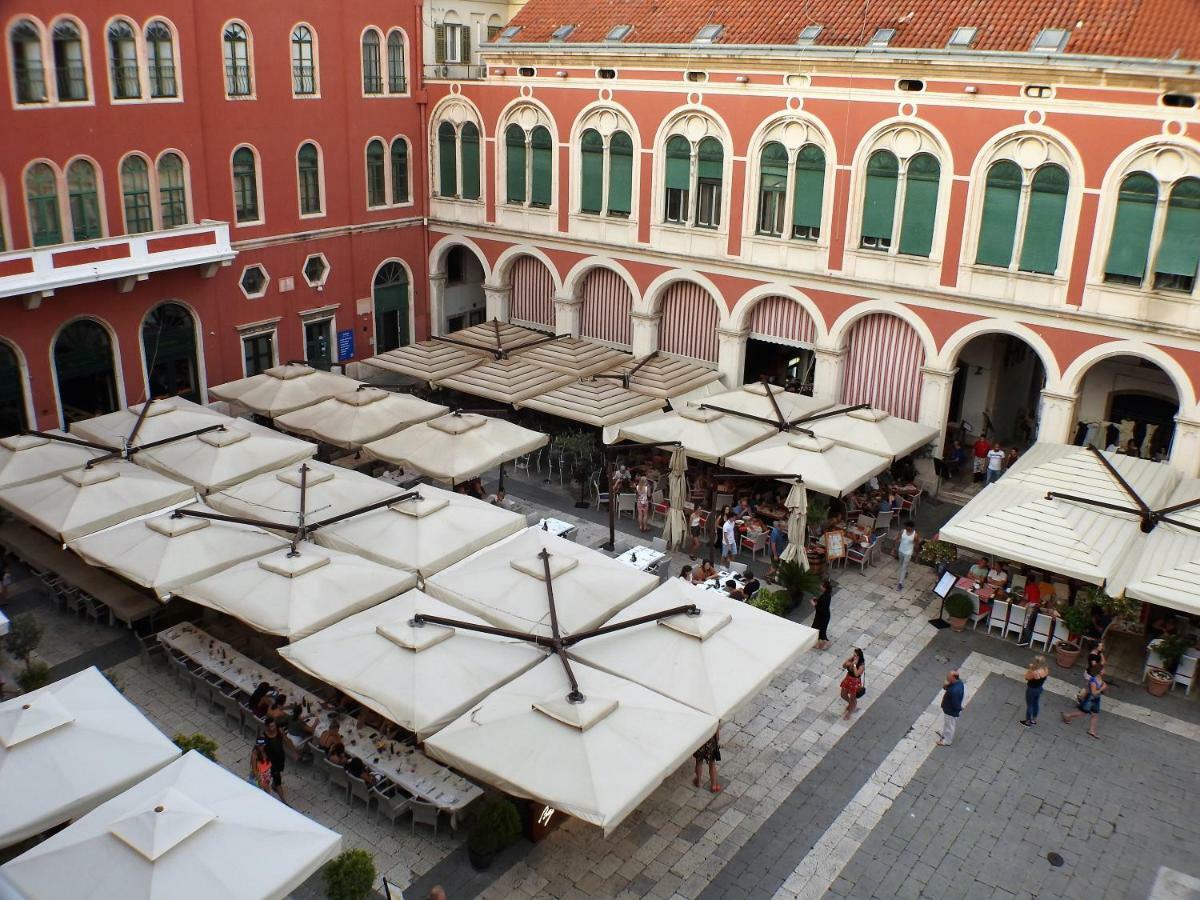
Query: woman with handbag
<point x="852" y="687"/>
<point x="1089" y="700"/>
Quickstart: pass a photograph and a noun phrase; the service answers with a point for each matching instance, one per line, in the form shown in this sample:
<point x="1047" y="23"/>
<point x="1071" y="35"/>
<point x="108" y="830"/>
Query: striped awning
<point x="507" y="380"/>
<point x="607" y="302"/>
<point x="689" y="322"/>
<point x="665" y="376"/>
<point x="427" y="361"/>
<point x="781" y="320"/>
<point x="883" y="365"/>
<point x="574" y="356"/>
<point x="532" y="298"/>
<point x="594" y="402"/>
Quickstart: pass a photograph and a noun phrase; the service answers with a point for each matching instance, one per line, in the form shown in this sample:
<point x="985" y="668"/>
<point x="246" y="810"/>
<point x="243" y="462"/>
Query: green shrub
<point x="1170" y="649"/>
<point x="205" y="746"/>
<point x="35" y="675"/>
<point x="497" y="825"/>
<point x="959" y="605"/>
<point x="776" y="602"/>
<point x="24" y="635"/>
<point x="350" y="876"/>
<point x="796" y="581"/>
<point x="1077" y="616"/>
<point x="936" y="553"/>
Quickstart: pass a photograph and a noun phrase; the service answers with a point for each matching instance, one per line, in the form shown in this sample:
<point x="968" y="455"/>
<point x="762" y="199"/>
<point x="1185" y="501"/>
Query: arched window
<point x="710" y="163"/>
<point x="304" y="68"/>
<point x="372" y="74"/>
<point x="169" y="345"/>
<point x="541" y="167"/>
<point x="376" y="188"/>
<point x="1132" y="230"/>
<point x="83" y="200"/>
<point x="514" y="162"/>
<point x="135" y="189"/>
<point x="694" y="170"/>
<point x="69" y="66"/>
<point x="239" y="80"/>
<point x="308" y="171"/>
<point x="390" y="297"/>
<point x="1156" y="229"/>
<point x="469" y="138"/>
<point x="12" y="393"/>
<point x="1179" y="252"/>
<point x="41" y="199"/>
<point x="528" y="165"/>
<point x="172" y="191"/>
<point x="160" y="60"/>
<point x="1001" y="208"/>
<point x="920" y="205"/>
<point x="620" y="174"/>
<point x="397" y="71"/>
<point x="399" y="170"/>
<point x="83" y="363"/>
<point x="910" y="187"/>
<point x="1023" y="217"/>
<point x="772" y="189"/>
<point x="447" y="160"/>
<point x="591" y="172"/>
<point x="25" y="41"/>
<point x="598" y="180"/>
<point x="245" y="185"/>
<point x="122" y="57"/>
<point x="678" y="179"/>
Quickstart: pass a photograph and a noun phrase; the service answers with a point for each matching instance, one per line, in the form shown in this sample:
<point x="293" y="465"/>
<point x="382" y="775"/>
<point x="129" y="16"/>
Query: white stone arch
<point x="793" y="129"/>
<point x="502" y="270"/>
<point x="738" y="318"/>
<point x="947" y="359"/>
<point x="118" y="369"/>
<point x="412" y="296"/>
<point x="26" y="381"/>
<point x="839" y="331"/>
<point x="457" y="110"/>
<point x="573" y="282"/>
<point x="1077" y="371"/>
<point x="437" y="255"/>
<point x="201" y="369"/>
<point x="650" y="302"/>
<point x="606" y="117"/>
<point x="695" y="122"/>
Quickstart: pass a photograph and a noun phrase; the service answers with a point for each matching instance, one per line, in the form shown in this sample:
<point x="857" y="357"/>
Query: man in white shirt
<point x="729" y="536"/>
<point x="906" y="545"/>
<point x="995" y="463"/>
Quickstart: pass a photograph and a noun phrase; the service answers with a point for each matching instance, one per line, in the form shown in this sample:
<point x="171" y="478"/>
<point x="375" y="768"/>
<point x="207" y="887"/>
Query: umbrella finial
<point x="693" y="610"/>
<point x="576" y="696"/>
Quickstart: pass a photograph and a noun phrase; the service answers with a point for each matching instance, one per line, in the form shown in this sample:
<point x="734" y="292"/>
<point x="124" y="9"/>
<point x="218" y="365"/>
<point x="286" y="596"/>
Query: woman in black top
<point x="821" y="613"/>
<point x="274" y="738"/>
<point x="1035" y="680"/>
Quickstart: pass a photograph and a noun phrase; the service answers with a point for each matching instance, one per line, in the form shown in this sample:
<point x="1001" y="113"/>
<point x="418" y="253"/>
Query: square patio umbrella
<point x="1163" y="567"/>
<point x="281" y="389"/>
<point x="31" y="457"/>
<point x="765" y="401"/>
<point x="508" y="380"/>
<point x="68" y="747"/>
<point x="825" y="467"/>
<point x="191" y="831"/>
<point x="419" y="676"/>
<point x="661" y="376"/>
<point x="705" y="434"/>
<point x="163" y="552"/>
<point x="424" y="534"/>
<point x="352" y="419"/>
<point x="148" y="422"/>
<point x="574" y="356"/>
<point x="595" y="402"/>
<point x="872" y="430"/>
<point x="428" y="360"/>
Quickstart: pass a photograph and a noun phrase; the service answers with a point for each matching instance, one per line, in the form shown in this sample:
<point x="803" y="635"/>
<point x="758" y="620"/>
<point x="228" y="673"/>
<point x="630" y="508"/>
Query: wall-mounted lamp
<point x="742" y="79"/>
<point x="561" y="73"/>
<point x="970" y="89"/>
<point x="497" y="71"/>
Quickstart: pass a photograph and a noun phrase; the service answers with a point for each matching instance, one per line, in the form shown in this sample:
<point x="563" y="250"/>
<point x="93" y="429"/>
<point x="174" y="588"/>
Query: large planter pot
<point x="479" y="861"/>
<point x="1158" y="682"/>
<point x="1066" y="653"/>
<point x="957" y="624"/>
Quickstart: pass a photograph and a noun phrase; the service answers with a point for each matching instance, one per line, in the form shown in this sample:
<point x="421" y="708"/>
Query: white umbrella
<point x="761" y="399"/>
<point x="294" y="595"/>
<point x="595" y="760"/>
<point x="427" y="360"/>
<point x="352" y="419"/>
<point x="192" y="831"/>
<point x="594" y="401"/>
<point x="30" y="457"/>
<point x="67" y="747"/>
<point x="797" y="507"/>
<point x="506" y="584"/>
<point x="456" y="447"/>
<point x="704" y="433"/>
<point x="282" y="389"/>
<point x="675" y="529"/>
<point x="164" y="418"/>
<point x="508" y="380"/>
<point x="164" y="552"/>
<point x="420" y="677"/>
<point x="714" y="662"/>
<point x="81" y="501"/>
<point x="874" y="431"/>
<point x="579" y="357"/>
<point x="826" y="467"/>
<point x="664" y="376"/>
<point x="425" y="534"/>
<point x="1163" y="567"/>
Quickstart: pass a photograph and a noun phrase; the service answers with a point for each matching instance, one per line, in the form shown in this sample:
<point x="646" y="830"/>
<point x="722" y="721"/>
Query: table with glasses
<point x="717" y="584"/>
<point x="557" y="527"/>
<point x="646" y="559"/>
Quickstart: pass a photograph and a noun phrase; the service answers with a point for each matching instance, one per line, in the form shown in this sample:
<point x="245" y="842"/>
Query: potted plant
<point x="25" y="633"/>
<point x="1077" y="617"/>
<point x="818" y="508"/>
<point x="350" y="876"/>
<point x="938" y="554"/>
<point x="775" y="602"/>
<point x="796" y="582"/>
<point x="1170" y="649"/>
<point x="959" y="608"/>
<point x="497" y="825"/>
<point x="205" y="746"/>
<point x="1158" y="682"/>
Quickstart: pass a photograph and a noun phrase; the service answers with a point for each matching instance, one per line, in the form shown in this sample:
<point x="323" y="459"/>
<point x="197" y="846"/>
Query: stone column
<point x="645" y="332"/>
<point x="1185" y="446"/>
<point x="731" y="356"/>
<point x="437" y="305"/>
<point x="829" y="370"/>
<point x="1056" y="422"/>
<point x="568" y="315"/>
<point x="496" y="299"/>
<point x="936" y="385"/>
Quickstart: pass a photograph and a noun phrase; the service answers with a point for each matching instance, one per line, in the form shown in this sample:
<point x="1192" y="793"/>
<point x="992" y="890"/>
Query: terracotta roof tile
<point x="1152" y="29"/>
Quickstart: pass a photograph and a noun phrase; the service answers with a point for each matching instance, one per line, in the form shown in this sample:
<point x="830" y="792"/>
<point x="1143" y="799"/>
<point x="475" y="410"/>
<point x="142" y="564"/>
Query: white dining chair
<point x="1016" y="620"/>
<point x="1043" y="631"/>
<point x="1185" y="672"/>
<point x="996" y="619"/>
<point x="626" y="503"/>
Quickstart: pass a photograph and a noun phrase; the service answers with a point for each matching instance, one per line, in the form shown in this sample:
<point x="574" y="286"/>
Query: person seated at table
<point x="755" y="526"/>
<point x="265" y="702"/>
<point x="257" y="697"/>
<point x="686" y="574"/>
<point x="979" y="571"/>
<point x="279" y="713"/>
<point x="332" y="735"/>
<point x="356" y="767"/>
<point x="885" y="504"/>
<point x="734" y="592"/>
<point x="997" y="576"/>
<point x="751" y="587"/>
<point x="778" y="540"/>
<point x="337" y="754"/>
<point x="705" y="572"/>
<point x="500" y="498"/>
<point x="836" y="522"/>
<point x="742" y="507"/>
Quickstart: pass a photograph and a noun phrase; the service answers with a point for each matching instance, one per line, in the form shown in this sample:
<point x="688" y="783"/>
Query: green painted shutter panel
<point x="1179" y="252"/>
<point x="1130" y="244"/>
<point x="591" y="172"/>
<point x="998" y="225"/>
<point x="1044" y="222"/>
<point x="920" y="205"/>
<point x="809" y="187"/>
<point x="514" y="163"/>
<point x="879" y="202"/>
<point x="679" y="161"/>
<point x="465" y="31"/>
<point x="711" y="156"/>
<point x="542" y="165"/>
<point x="439" y="43"/>
<point x="774" y="165"/>
<point x="620" y="174"/>
<point x="447" y="164"/>
<point x="470" y="161"/>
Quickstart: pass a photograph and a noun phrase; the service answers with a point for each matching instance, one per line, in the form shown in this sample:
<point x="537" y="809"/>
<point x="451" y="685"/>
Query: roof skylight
<point x="618" y="33"/>
<point x="707" y="34"/>
<point x="882" y="37"/>
<point x="1050" y="40"/>
<point x="962" y="38"/>
<point x="562" y="32"/>
<point x="809" y="35"/>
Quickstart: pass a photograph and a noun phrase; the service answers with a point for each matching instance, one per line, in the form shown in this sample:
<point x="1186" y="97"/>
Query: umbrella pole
<point x="501" y="484"/>
<point x="612" y="500"/>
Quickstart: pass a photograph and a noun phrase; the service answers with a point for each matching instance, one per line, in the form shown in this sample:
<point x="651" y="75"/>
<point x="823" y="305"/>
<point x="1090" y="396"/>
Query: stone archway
<point x="169" y="345"/>
<point x="689" y="322"/>
<point x="12" y="392"/>
<point x="1126" y="398"/>
<point x="85" y="370"/>
<point x="605" y="305"/>
<point x="997" y="390"/>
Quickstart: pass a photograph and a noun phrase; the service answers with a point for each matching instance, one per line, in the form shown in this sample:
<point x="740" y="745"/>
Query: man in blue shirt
<point x="953" y="692"/>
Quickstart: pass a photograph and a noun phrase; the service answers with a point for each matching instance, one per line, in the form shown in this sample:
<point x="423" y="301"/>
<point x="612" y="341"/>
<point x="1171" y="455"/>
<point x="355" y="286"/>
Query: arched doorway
<point x="83" y="363"/>
<point x="532" y="301"/>
<point x="689" y="322"/>
<point x="390" y="296"/>
<point x="883" y="365"/>
<point x="169" y="342"/>
<point x="604" y="312"/>
<point x="12" y="395"/>
<point x="780" y="347"/>
<point x="997" y="391"/>
<point x="1127" y="398"/>
<point x="463" y="299"/>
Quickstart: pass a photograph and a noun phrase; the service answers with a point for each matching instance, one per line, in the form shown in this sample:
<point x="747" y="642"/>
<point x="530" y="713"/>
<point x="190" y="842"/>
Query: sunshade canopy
<point x="423" y="534"/>
<point x="456" y="447"/>
<point x="508" y="380"/>
<point x="419" y="676"/>
<point x="191" y="831"/>
<point x="597" y="402"/>
<point x="714" y="662"/>
<point x="874" y="431"/>
<point x="762" y="400"/>
<point x="596" y="760"/>
<point x="705" y="433"/>
<point x="164" y="552"/>
<point x="427" y="360"/>
<point x="506" y="584"/>
<point x="574" y="356"/>
<point x="29" y="457"/>
<point x="293" y="594"/>
<point x="83" y="500"/>
<point x="164" y="418"/>
<point x="67" y="747"/>
<point x="281" y="389"/>
<point x="1164" y="566"/>
<point x="354" y="418"/>
<point x="664" y="376"/>
<point x="824" y="466"/>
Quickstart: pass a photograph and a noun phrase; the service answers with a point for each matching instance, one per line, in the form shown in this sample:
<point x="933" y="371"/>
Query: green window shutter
<point x="1180" y="249"/>
<point x="711" y="156"/>
<point x="920" y="205"/>
<point x="514" y="162"/>
<point x="620" y="174"/>
<point x="376" y="196"/>
<point x="135" y="189"/>
<point x="439" y="43"/>
<point x="809" y="187"/>
<point x="591" y="172"/>
<point x="447" y="164"/>
<point x="399" y="171"/>
<point x="772" y="187"/>
<point x="470" y="161"/>
<point x="84" y="204"/>
<point x="879" y="200"/>
<point x="1044" y="222"/>
<point x="1134" y="223"/>
<point x="998" y="224"/>
<point x="542" y="148"/>
<point x="465" y="31"/>
<point x="679" y="162"/>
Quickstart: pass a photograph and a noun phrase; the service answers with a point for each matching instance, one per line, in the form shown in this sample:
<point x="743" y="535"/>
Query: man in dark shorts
<point x="274" y="738"/>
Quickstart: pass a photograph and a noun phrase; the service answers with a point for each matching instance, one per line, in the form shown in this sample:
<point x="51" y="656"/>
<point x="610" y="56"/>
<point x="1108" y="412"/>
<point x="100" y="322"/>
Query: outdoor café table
<point x="643" y="558"/>
<point x="717" y="584"/>
<point x="557" y="527"/>
<point x="408" y="767"/>
<point x="984" y="592"/>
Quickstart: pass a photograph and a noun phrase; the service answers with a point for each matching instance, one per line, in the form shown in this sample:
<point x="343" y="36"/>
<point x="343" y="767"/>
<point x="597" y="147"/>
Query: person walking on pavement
<point x="709" y="753"/>
<point x="820" y="621"/>
<point x="979" y="451"/>
<point x="274" y="747"/>
<point x="729" y="537"/>
<point x="995" y="463"/>
<point x="1089" y="700"/>
<point x="953" y="694"/>
<point x="1035" y="680"/>
<point x="906" y="545"/>
<point x="852" y="685"/>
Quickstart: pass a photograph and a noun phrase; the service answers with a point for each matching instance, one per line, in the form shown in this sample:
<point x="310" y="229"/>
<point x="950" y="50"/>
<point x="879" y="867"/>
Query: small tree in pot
<point x="579" y="448"/>
<point x="497" y="825"/>
<point x="350" y="876"/>
<point x="1077" y="617"/>
<point x="21" y="642"/>
<point x="797" y="582"/>
<point x="1170" y="649"/>
<point x="959" y="608"/>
